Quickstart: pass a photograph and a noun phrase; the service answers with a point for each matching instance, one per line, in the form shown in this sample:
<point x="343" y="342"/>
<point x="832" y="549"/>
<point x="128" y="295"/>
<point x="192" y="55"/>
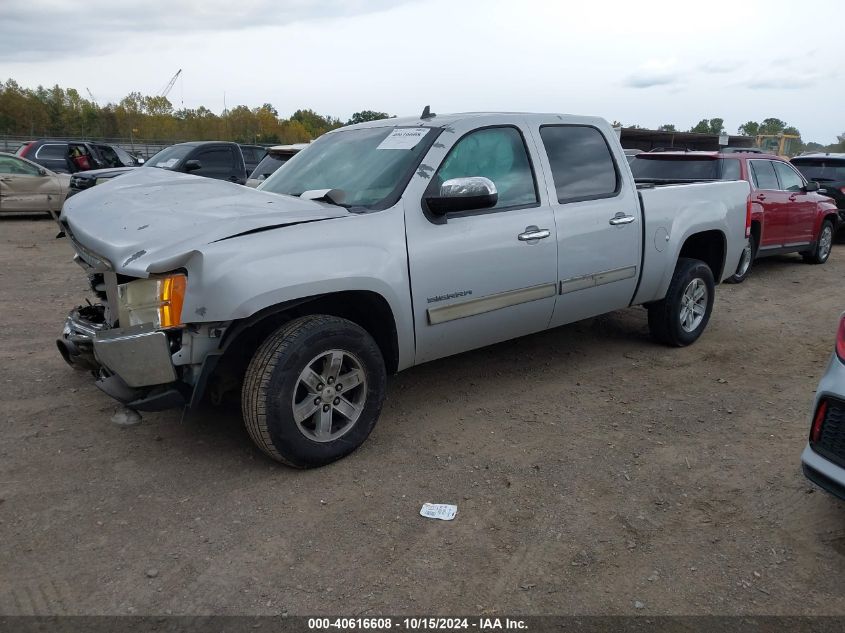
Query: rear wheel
<point x="681" y="317"/>
<point x="745" y="262"/>
<point x="313" y="391"/>
<point x="823" y="247"/>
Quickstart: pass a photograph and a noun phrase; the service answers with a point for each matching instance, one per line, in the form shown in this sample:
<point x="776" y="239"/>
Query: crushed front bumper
<point x="133" y="365"/>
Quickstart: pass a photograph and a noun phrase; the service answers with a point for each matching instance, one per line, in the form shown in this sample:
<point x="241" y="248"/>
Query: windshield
<point x="828" y="171"/>
<point x="268" y="165"/>
<point x="169" y="157"/>
<point x="665" y="168"/>
<point x="369" y="165"/>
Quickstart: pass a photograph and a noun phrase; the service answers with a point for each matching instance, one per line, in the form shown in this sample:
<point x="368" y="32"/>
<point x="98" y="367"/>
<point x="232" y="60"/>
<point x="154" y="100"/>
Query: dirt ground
<point x="592" y="469"/>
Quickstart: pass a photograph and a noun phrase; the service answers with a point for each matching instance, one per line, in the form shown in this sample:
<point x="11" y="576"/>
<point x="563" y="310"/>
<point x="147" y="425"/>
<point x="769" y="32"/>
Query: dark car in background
<point x="212" y="159"/>
<point x="276" y="156"/>
<point x="69" y="157"/>
<point x="829" y="171"/>
<point x="252" y="156"/>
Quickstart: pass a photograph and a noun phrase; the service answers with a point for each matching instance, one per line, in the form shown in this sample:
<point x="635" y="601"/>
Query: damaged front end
<point x="139" y="351"/>
<point x="132" y="365"/>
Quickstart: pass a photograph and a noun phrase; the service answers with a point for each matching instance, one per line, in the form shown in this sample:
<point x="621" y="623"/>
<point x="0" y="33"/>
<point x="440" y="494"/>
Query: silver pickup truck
<point x="379" y="247"/>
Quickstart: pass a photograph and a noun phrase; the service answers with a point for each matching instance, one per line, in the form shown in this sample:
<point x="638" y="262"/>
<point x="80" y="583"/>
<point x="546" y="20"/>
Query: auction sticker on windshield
<point x="403" y="138"/>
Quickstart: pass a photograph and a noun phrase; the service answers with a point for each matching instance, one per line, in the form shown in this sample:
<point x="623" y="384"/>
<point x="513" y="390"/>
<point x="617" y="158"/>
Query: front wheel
<point x="313" y="391"/>
<point x="680" y="318"/>
<point x="823" y="247"/>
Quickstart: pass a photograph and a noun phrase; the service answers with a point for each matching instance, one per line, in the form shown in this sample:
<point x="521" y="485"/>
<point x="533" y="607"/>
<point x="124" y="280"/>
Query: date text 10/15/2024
<point x="416" y="624"/>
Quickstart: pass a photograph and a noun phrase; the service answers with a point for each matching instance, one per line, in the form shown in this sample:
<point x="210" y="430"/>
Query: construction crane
<point x="170" y="83"/>
<point x="91" y="94"/>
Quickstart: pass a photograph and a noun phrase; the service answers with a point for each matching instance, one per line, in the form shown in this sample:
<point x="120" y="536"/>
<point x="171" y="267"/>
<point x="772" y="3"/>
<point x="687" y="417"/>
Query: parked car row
<point x="788" y="212"/>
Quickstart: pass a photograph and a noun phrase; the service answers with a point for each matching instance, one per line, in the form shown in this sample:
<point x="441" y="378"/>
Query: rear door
<point x="24" y="188"/>
<point x="801" y="208"/>
<point x="768" y="195"/>
<point x="53" y="156"/>
<point x="598" y="220"/>
<point x="476" y="277"/>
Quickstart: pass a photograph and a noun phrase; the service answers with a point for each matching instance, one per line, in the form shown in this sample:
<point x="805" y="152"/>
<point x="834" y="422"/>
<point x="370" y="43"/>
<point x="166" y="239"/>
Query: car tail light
<point x="818" y="422"/>
<point x="842" y="189"/>
<point x="748" y="218"/>
<point x="840" y="340"/>
<point x="25" y="149"/>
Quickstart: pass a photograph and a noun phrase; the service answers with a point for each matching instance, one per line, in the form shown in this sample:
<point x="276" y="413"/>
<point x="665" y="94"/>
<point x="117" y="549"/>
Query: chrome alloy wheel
<point x="693" y="305"/>
<point x="825" y="242"/>
<point x="329" y="396"/>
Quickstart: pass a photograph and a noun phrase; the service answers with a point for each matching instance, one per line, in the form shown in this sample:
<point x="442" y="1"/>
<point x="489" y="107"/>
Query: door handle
<point x="621" y="218"/>
<point x="761" y="196"/>
<point x="533" y="233"/>
<point x="793" y="197"/>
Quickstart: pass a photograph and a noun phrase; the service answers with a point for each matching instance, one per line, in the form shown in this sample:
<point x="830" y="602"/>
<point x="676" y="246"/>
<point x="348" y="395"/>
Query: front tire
<point x="823" y="247"/>
<point x="681" y="317"/>
<point x="313" y="391"/>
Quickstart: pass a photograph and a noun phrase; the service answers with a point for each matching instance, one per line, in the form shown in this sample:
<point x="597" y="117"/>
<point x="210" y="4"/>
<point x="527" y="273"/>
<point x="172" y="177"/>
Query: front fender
<point x="236" y="278"/>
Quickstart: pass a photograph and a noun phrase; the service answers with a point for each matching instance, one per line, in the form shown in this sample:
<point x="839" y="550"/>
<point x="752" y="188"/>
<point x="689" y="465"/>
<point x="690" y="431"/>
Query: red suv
<point x="787" y="215"/>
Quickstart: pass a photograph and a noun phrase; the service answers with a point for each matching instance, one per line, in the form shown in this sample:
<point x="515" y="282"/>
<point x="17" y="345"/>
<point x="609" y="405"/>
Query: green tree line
<point x="56" y="111"/>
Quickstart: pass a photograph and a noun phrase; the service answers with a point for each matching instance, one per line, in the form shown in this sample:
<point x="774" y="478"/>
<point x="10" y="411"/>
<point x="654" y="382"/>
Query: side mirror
<point x="192" y="165"/>
<point x="42" y="171"/>
<point x="812" y="185"/>
<point x="140" y="161"/>
<point x="463" y="194"/>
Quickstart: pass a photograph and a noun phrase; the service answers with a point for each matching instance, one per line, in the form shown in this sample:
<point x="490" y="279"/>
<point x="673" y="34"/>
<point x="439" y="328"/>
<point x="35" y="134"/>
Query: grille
<point x="831" y="443"/>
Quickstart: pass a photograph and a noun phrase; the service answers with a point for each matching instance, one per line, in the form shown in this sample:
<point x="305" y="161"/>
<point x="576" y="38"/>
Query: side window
<point x="125" y="159"/>
<point x="9" y="165"/>
<point x="763" y="174"/>
<point x="215" y="161"/>
<point x="52" y="150"/>
<point x="581" y="162"/>
<point x="789" y="179"/>
<point x="498" y="154"/>
<point x="730" y="169"/>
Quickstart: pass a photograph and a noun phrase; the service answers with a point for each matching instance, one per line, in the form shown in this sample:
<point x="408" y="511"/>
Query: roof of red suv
<point x="707" y="154"/>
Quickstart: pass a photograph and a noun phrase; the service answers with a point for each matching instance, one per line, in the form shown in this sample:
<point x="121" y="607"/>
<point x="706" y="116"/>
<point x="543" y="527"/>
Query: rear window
<point x="763" y="174"/>
<point x="662" y="167"/>
<point x="822" y="170"/>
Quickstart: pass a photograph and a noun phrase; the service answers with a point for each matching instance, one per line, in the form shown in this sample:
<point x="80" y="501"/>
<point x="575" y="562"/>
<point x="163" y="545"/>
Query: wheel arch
<point x="708" y="246"/>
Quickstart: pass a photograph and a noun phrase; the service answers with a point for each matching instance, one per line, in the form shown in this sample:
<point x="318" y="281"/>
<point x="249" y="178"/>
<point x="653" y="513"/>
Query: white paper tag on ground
<point x="442" y="511"/>
<point x="403" y="138"/>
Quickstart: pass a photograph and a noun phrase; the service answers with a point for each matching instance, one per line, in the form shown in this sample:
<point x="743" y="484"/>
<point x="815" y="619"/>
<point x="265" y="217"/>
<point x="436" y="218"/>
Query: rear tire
<point x="821" y="253"/>
<point x="295" y="404"/>
<point x="745" y="262"/>
<point x="681" y="317"/>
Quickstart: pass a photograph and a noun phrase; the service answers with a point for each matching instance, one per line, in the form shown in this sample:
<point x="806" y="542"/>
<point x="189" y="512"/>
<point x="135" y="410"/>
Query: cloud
<point x="41" y="29"/>
<point x="654" y="73"/>
<point x="719" y="67"/>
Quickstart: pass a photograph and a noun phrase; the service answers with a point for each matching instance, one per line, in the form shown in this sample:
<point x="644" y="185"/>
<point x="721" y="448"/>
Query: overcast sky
<point x="645" y="62"/>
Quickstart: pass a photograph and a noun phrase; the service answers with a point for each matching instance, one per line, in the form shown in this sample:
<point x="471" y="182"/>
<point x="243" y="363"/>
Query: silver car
<point x="823" y="459"/>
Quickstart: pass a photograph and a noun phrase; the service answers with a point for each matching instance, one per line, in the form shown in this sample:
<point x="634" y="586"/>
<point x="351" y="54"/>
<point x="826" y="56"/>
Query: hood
<point x="151" y="220"/>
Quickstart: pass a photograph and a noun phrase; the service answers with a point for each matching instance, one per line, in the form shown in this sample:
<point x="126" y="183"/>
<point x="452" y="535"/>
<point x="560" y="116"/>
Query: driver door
<point x="477" y="277"/>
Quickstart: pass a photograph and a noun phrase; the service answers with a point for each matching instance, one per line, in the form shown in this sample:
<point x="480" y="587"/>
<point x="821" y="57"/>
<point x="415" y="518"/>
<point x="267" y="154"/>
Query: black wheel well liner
<point x="708" y="246"/>
<point x="365" y="308"/>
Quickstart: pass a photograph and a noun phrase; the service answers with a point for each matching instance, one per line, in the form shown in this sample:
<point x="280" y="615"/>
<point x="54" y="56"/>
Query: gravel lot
<point x="592" y="469"/>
